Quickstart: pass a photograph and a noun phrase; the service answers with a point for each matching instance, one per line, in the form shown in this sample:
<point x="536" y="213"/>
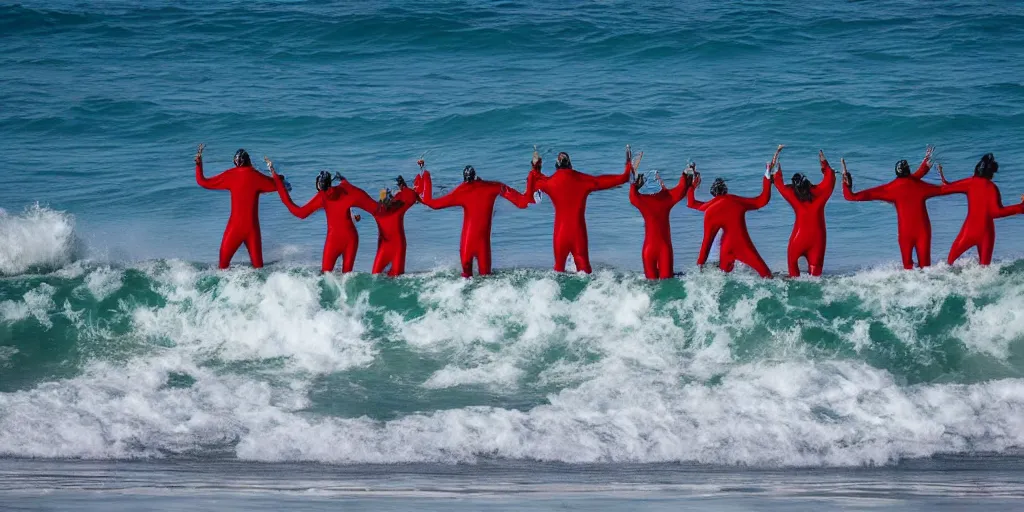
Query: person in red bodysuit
<point x="655" y="208"/>
<point x="808" y="202"/>
<point x="908" y="194"/>
<point x="390" y="217"/>
<point x="337" y="202"/>
<point x="727" y="213"/>
<point x="476" y="197"/>
<point x="984" y="204"/>
<point x="568" y="190"/>
<point x="245" y="184"/>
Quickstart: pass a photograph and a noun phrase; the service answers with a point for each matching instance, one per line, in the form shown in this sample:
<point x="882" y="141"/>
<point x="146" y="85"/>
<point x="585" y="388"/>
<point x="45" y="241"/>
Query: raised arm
<point x="879" y="193"/>
<point x="678" y="192"/>
<point x="607" y="181"/>
<point x="303" y="211"/>
<point x="448" y="200"/>
<point x="926" y="164"/>
<point x="691" y="199"/>
<point x="756" y="203"/>
<point x="787" y="193"/>
<point x="408" y="198"/>
<point x="218" y="182"/>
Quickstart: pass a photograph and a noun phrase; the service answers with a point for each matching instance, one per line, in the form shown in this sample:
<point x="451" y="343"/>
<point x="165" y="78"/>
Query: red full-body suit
<point x="568" y="190"/>
<point x="245" y="185"/>
<point x="337" y="202"/>
<point x="727" y="213"/>
<point x="808" y="237"/>
<point x="908" y="195"/>
<point x="655" y="208"/>
<point x="984" y="205"/>
<point x="391" y="244"/>
<point x="476" y="198"/>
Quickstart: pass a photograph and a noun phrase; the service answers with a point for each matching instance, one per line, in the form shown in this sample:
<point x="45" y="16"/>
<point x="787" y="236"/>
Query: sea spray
<point x="169" y="358"/>
<point x="38" y="238"/>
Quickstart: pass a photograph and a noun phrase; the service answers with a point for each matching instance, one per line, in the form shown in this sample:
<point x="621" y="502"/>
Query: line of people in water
<point x="568" y="190"/>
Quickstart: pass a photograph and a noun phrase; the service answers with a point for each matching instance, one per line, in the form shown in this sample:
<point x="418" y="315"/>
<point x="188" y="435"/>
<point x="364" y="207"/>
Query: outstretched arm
<point x="513" y="196"/>
<point x="218" y="182"/>
<point x="448" y="200"/>
<point x="301" y="212"/>
<point x="756" y="203"/>
<point x="607" y="181"/>
<point x="361" y="199"/>
<point x="1001" y="211"/>
<point x="879" y="193"/>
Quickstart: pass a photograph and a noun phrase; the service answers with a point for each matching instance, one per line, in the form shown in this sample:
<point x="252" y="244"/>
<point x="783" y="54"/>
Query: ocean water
<point x="135" y="375"/>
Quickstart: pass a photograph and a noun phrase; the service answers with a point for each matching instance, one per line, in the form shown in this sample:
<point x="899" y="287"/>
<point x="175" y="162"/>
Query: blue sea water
<point x="119" y="340"/>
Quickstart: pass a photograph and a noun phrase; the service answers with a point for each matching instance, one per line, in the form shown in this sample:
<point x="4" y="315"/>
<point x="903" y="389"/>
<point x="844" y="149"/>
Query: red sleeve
<point x="922" y="169"/>
<point x="1001" y="211"/>
<point x="304" y="211"/>
<point x="513" y="196"/>
<point x="787" y="193"/>
<point x="634" y="196"/>
<point x="453" y="198"/>
<point x="879" y="193"/>
<point x="606" y="181"/>
<point x="827" y="185"/>
<point x="957" y="187"/>
<point x="408" y="197"/>
<point x="219" y="182"/>
<point x="361" y="200"/>
<point x="535" y="181"/>
<point x="692" y="202"/>
<point x="756" y="203"/>
<point x="678" y="192"/>
<point x="264" y="184"/>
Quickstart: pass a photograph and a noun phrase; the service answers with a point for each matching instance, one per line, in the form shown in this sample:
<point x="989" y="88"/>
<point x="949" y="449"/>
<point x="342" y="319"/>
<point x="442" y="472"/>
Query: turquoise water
<point x="119" y="340"/>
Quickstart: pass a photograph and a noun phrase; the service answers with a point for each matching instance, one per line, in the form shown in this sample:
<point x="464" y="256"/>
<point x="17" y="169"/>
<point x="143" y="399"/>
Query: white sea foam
<point x="37" y="238"/>
<point x="710" y="376"/>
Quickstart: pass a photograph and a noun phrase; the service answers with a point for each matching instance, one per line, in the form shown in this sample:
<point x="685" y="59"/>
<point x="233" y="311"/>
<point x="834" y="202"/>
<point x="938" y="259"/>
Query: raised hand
<point x="421" y="163"/>
<point x="199" y="153"/>
<point x="942" y="175"/>
<point x="847" y="177"/>
<point x="536" y="161"/>
<point x="775" y="157"/>
<point x="270" y="165"/>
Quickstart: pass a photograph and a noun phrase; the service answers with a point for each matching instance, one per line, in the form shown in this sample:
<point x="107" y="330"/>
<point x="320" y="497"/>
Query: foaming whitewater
<point x="38" y="238"/>
<point x="169" y="358"/>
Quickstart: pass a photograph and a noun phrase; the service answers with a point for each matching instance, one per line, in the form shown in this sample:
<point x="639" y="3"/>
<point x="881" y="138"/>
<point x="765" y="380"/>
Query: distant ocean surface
<point x="120" y="341"/>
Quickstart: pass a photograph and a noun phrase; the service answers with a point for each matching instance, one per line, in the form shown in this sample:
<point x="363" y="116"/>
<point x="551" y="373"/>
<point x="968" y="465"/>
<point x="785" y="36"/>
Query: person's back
<point x="728" y="212"/>
<point x="569" y="190"/>
<point x="245" y="184"/>
<point x="984" y="205"/>
<point x="390" y="219"/>
<point x="338" y="203"/>
<point x="657" y="254"/>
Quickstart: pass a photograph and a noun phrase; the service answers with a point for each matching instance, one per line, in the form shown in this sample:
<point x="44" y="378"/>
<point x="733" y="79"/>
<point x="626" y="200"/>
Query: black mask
<point x="242" y="159"/>
<point x="323" y="181"/>
<point x="400" y="181"/>
<point x="902" y="169"/>
<point x="719" y="187"/>
<point x="469" y="174"/>
<point x="562" y="161"/>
